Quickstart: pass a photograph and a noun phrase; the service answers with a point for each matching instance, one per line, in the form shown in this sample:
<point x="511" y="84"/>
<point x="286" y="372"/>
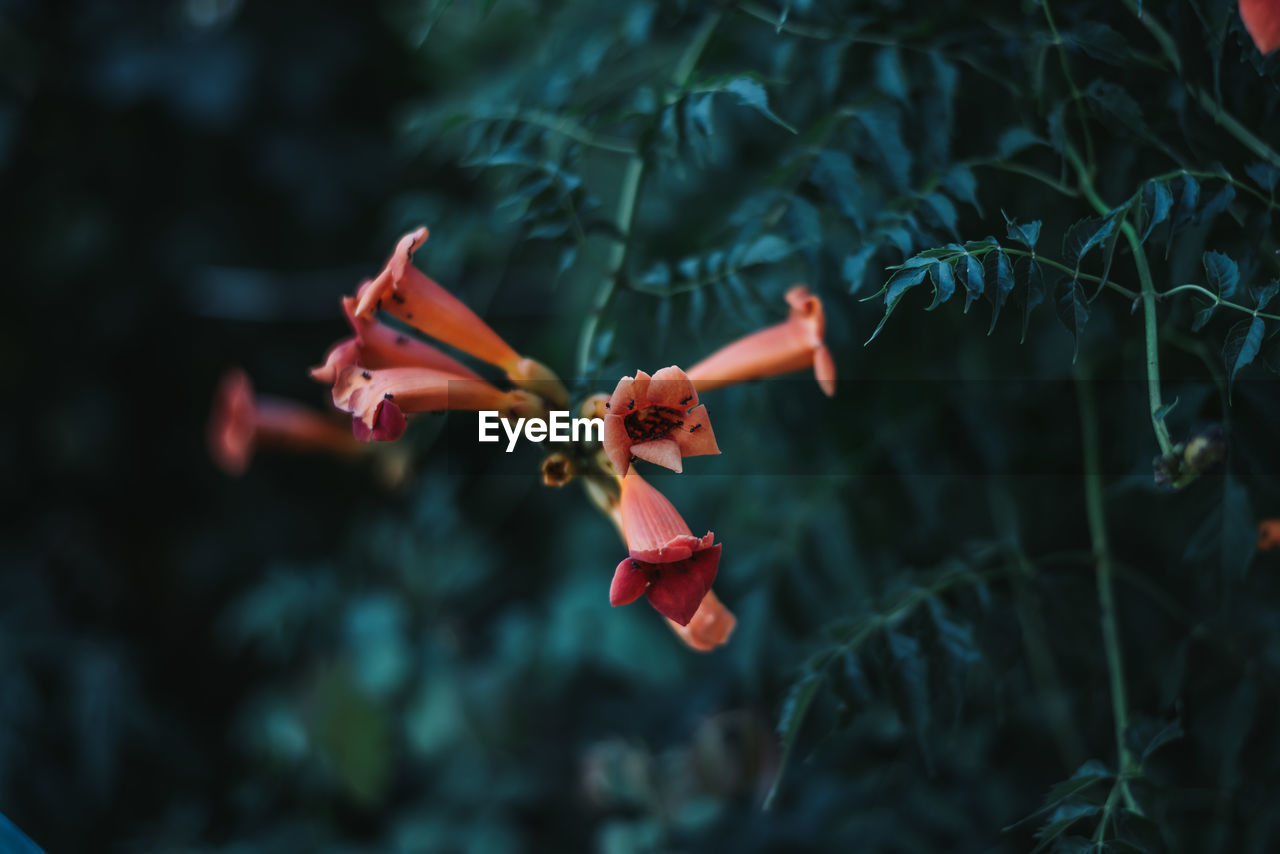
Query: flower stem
<point x="1103" y="577"/>
<point x="629" y="202"/>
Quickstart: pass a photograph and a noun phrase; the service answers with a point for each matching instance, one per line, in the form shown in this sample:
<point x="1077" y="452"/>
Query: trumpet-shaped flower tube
<point x="376" y="345"/>
<point x="657" y="419"/>
<point x="379" y="399"/>
<point x="667" y="563"/>
<point x="241" y="421"/>
<point x="404" y="291"/>
<point x="793" y="345"/>
<point x="710" y="627"/>
<point x="1262" y="20"/>
<point x="1268" y="535"/>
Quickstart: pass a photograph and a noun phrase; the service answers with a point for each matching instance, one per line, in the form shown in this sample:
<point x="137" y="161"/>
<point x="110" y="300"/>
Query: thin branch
<point x="1106" y="594"/>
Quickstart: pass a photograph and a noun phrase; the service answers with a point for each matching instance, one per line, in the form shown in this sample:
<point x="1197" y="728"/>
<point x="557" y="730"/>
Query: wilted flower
<point x="793" y="345"/>
<point x="379" y="399"/>
<point x="405" y="292"/>
<point x="710" y="627"/>
<point x="1268" y="535"/>
<point x="558" y="469"/>
<point x="657" y="419"/>
<point x="1262" y="20"/>
<point x="240" y="421"/>
<point x="667" y="563"/>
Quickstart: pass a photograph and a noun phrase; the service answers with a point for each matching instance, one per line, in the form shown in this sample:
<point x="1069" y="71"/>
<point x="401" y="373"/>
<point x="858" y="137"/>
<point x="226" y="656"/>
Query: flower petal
<point x="662" y="452"/>
<point x="679" y="588"/>
<point x="1262" y="20"/>
<point x="623" y="399"/>
<point x="710" y="627"/>
<point x="617" y="444"/>
<point x="629" y="583"/>
<point x="651" y="525"/>
<point x="672" y="387"/>
<point x="824" y="368"/>
<point x="695" y="437"/>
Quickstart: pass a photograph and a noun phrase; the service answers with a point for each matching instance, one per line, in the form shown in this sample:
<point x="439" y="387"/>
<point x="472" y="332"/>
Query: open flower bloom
<point x="1262" y="20"/>
<point x="710" y="627"/>
<point x="657" y="419"/>
<point x="404" y="291"/>
<point x="241" y="420"/>
<point x="792" y="345"/>
<point x="667" y="563"/>
<point x="379" y="399"/>
<point x="376" y="345"/>
<point x="1268" y="535"/>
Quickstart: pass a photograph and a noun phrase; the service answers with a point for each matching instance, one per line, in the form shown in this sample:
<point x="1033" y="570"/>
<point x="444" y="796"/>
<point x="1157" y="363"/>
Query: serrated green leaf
<point x="961" y="184"/>
<point x="1073" y="311"/>
<point x="1222" y="272"/>
<point x="834" y="174"/>
<point x="1242" y="346"/>
<point x="854" y="268"/>
<point x="1032" y="275"/>
<point x="944" y="210"/>
<point x="751" y="93"/>
<point x="1203" y="316"/>
<point x="895" y="289"/>
<point x="1003" y="286"/>
<point x="944" y="283"/>
<point x="1025" y="233"/>
<point x="1264" y="294"/>
<point x="794" y="709"/>
<point x="972" y="279"/>
<point x="764" y="249"/>
<point x="1086" y="235"/>
<point x="1157" y="201"/>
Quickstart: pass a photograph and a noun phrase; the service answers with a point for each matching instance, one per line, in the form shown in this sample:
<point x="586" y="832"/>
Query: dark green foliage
<point x="308" y="659"/>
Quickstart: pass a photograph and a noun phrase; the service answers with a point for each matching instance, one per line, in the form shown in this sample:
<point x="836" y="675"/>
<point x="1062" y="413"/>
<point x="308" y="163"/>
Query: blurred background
<point x="413" y="650"/>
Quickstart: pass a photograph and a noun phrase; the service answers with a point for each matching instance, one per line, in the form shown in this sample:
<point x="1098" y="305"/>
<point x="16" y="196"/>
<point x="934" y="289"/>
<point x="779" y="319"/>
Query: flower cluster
<point x="381" y="376"/>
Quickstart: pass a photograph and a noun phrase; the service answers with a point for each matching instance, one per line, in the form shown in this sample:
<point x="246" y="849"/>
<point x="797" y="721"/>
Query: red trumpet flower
<point x="667" y="563"/>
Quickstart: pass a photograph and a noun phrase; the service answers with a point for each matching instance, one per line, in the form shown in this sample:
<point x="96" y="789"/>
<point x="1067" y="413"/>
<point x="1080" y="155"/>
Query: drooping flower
<point x="1268" y="535"/>
<point x="1262" y="20"/>
<point x="793" y="345"/>
<point x="710" y="627"/>
<point x="379" y="399"/>
<point x="666" y="562"/>
<point x="241" y="421"/>
<point x="657" y="419"/>
<point x="404" y="291"/>
<point x="376" y="345"/>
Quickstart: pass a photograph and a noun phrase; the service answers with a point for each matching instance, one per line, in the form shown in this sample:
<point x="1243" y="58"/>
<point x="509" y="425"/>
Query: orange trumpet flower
<point x="241" y="421"/>
<point x="1268" y="535"/>
<point x="1262" y="20"/>
<point x="710" y="627"/>
<point x="667" y="563"/>
<point x="379" y="399"/>
<point x="657" y="419"/>
<point x="407" y="293"/>
<point x="376" y="345"/>
<point x="792" y="345"/>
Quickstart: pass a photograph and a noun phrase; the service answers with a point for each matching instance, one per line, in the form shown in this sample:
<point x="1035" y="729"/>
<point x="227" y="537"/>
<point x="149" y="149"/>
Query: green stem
<point x="1218" y="300"/>
<point x="1076" y="95"/>
<point x="1151" y="332"/>
<point x="629" y="202"/>
<point x="1103" y="576"/>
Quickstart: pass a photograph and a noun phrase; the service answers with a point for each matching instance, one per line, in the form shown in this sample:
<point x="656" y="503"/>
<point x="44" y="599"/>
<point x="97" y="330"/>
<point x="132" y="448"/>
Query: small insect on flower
<point x="659" y="426"/>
